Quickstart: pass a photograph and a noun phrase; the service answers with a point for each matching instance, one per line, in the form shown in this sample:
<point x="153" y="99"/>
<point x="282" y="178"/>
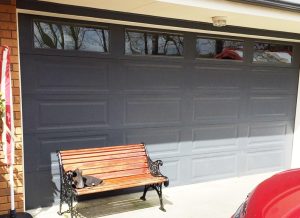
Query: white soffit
<point x="238" y="14"/>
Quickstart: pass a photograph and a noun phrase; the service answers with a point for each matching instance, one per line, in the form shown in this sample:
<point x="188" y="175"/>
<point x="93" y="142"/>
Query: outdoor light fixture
<point x="219" y="21"/>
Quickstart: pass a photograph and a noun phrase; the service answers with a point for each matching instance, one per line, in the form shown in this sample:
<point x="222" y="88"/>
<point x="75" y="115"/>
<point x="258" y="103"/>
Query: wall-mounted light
<point x="219" y="21"/>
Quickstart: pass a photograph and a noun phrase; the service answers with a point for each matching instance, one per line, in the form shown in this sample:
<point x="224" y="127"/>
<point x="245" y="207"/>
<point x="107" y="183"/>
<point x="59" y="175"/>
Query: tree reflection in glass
<point x="70" y="37"/>
<point x="148" y="43"/>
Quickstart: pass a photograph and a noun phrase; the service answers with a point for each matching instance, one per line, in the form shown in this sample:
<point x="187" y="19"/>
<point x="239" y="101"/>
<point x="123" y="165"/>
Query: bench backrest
<point x="107" y="162"/>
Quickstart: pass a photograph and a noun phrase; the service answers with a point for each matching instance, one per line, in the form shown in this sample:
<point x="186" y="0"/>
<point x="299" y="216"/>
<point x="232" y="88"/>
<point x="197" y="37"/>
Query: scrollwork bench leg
<point x="145" y="191"/>
<point x="158" y="189"/>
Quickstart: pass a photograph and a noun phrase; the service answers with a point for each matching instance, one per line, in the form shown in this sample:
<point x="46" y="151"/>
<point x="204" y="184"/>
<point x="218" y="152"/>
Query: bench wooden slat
<point x="121" y="183"/>
<point x="104" y="163"/>
<point x="104" y="149"/>
<point x="112" y="168"/>
<point x="105" y="153"/>
<point x="119" y="174"/>
<point x="107" y="157"/>
<point x="100" y="149"/>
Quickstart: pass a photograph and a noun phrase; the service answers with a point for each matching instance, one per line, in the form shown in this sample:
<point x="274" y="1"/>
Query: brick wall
<point x="8" y="36"/>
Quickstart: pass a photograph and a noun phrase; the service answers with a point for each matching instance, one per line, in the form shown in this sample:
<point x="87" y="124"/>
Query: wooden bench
<point x="120" y="167"/>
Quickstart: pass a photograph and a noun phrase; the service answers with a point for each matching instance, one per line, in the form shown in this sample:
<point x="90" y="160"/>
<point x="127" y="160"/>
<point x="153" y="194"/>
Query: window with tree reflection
<point x="149" y="43"/>
<point x="219" y="49"/>
<point x="272" y="53"/>
<point x="70" y="37"/>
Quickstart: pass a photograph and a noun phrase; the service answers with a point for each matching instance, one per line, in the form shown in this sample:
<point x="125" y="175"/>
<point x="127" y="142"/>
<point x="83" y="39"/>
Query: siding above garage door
<point x="206" y="119"/>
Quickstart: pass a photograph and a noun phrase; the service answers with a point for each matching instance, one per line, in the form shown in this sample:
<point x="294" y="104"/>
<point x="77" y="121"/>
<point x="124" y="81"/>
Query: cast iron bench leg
<point x="158" y="189"/>
<point x="145" y="191"/>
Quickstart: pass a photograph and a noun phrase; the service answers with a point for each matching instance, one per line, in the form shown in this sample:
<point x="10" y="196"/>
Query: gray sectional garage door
<point x="206" y="119"/>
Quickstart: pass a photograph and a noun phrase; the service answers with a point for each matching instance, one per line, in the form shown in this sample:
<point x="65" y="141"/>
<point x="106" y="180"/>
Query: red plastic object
<point x="276" y="197"/>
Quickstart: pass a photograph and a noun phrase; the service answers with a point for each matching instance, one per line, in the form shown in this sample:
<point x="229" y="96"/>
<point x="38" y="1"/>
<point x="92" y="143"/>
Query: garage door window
<point x="149" y="43"/>
<point x="49" y="35"/>
<point x="272" y="53"/>
<point x="220" y="49"/>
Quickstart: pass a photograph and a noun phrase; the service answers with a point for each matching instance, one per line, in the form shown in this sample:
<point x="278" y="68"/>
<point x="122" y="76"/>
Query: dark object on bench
<point x="120" y="167"/>
<point x="80" y="181"/>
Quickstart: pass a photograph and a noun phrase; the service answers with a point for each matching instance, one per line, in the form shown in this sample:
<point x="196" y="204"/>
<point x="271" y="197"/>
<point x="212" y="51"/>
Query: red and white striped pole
<point x="8" y="122"/>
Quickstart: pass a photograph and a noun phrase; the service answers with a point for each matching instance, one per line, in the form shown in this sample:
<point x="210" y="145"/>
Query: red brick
<point x="14" y="59"/>
<point x="14" y="51"/>
<point x="15" y="67"/>
<point x="3" y="185"/>
<point x="14" y="34"/>
<point x="4" y="192"/>
<point x="16" y="92"/>
<point x="7" y="8"/>
<point x="3" y="199"/>
<point x="5" y="206"/>
<point x="9" y="42"/>
<point x="5" y="17"/>
<point x="15" y="73"/>
<point x="16" y="98"/>
<point x="7" y="25"/>
<point x="5" y="34"/>
<point x="17" y="123"/>
<point x="13" y="17"/>
<point x="17" y="114"/>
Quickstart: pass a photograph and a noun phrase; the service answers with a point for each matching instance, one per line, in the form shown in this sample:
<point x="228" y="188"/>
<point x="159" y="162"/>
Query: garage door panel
<point x="261" y="161"/>
<point x="215" y="138"/>
<point x="216" y="78"/>
<point x="152" y="77"/>
<point x="274" y="80"/>
<point x="73" y="113"/>
<point x="42" y="156"/>
<point x="161" y="142"/>
<point x="62" y="75"/>
<point x="145" y="110"/>
<point x="50" y="189"/>
<point x="215" y="166"/>
<point x="65" y="75"/>
<point x="210" y="109"/>
<point x="66" y="113"/>
<point x="172" y="167"/>
<point x="267" y="135"/>
<point x="271" y="107"/>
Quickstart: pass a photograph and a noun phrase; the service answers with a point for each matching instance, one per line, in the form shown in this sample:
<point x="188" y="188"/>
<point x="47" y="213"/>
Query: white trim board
<point x="138" y="24"/>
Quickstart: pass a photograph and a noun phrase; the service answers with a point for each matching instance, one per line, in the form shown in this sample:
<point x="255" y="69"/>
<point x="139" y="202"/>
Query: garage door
<point x="206" y="117"/>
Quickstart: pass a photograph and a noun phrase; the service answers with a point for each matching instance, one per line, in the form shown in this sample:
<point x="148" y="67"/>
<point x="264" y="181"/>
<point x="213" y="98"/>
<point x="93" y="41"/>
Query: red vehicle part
<point x="276" y="197"/>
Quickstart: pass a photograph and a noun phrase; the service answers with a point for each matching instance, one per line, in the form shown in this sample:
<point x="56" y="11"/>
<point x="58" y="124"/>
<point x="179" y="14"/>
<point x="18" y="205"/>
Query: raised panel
<point x="159" y="142"/>
<point x="49" y="146"/>
<point x="152" y="77"/>
<point x="205" y="168"/>
<point x="273" y="79"/>
<point x="171" y="168"/>
<point x="268" y="135"/>
<point x="216" y="78"/>
<point x="215" y="138"/>
<point x="63" y="75"/>
<point x="270" y="106"/>
<point x="216" y="108"/>
<point x="152" y="110"/>
<point x="73" y="113"/>
<point x="265" y="160"/>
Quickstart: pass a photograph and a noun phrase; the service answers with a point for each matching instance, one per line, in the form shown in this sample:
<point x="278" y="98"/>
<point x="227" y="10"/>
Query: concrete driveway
<point x="217" y="199"/>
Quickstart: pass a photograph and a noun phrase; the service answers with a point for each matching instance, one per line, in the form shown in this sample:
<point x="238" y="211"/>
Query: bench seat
<point x="120" y="167"/>
<point x="121" y="183"/>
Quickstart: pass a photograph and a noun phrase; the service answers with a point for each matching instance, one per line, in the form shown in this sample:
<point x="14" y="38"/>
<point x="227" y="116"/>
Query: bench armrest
<point x="154" y="167"/>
